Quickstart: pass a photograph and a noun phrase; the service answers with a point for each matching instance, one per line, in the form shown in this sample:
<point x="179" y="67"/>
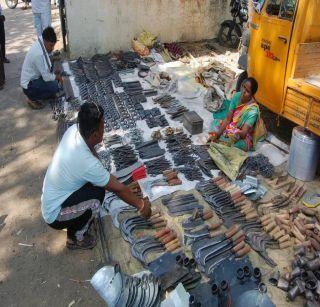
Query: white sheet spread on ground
<point x="190" y="94"/>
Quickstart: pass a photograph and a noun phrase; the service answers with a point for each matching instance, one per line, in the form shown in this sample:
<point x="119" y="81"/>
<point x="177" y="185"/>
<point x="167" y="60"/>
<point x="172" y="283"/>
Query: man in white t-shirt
<point x="41" y="14"/>
<point x="75" y="182"/>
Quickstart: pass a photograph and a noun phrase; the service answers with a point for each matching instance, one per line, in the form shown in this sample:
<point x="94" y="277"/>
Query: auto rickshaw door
<point x="271" y="28"/>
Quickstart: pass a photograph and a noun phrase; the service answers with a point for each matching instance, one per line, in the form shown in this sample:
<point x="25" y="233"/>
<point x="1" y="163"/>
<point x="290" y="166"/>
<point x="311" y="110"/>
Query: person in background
<point x="243" y="127"/>
<point x="37" y="78"/>
<point x="3" y="38"/>
<point x="41" y="14"/>
<point x="76" y="181"/>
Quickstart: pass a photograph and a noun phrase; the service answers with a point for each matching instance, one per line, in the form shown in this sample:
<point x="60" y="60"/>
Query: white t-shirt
<point x="73" y="165"/>
<point x="41" y="6"/>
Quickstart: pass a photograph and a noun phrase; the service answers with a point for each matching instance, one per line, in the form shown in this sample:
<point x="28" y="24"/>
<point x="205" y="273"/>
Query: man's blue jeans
<point x="41" y="21"/>
<point x="40" y="90"/>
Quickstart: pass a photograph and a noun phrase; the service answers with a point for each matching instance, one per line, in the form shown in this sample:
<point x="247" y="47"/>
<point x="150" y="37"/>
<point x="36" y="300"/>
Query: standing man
<point x="3" y="38"/>
<point x="37" y="78"/>
<point x="41" y="14"/>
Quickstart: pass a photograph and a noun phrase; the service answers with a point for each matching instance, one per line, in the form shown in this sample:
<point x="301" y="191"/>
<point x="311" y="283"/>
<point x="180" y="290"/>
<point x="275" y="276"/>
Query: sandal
<point x="88" y="242"/>
<point x="35" y="105"/>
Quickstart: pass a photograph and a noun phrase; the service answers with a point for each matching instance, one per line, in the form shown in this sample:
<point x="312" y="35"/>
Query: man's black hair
<point x="89" y="118"/>
<point x="49" y="35"/>
<point x="254" y="85"/>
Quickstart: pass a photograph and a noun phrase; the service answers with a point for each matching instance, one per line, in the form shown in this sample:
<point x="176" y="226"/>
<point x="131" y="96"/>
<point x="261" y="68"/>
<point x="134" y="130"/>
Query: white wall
<point x="99" y="26"/>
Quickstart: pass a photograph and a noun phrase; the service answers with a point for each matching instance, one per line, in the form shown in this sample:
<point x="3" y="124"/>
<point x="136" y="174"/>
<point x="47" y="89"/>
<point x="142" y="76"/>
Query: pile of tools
<point x="210" y="251"/>
<point x="119" y="289"/>
<point x="257" y="164"/>
<point x="157" y="166"/>
<point x="181" y="204"/>
<point x="123" y="156"/>
<point x="149" y="150"/>
<point x="228" y="202"/>
<point x="174" y="268"/>
<point x="295" y="226"/>
<point x="161" y="241"/>
<point x="304" y="278"/>
<point x="170" y="178"/>
<point x="171" y="104"/>
<point x="234" y="282"/>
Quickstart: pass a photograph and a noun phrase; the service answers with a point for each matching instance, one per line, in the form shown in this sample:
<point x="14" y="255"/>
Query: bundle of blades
<point x="276" y="203"/>
<point x="123" y="156"/>
<point x="260" y="241"/>
<point x="125" y="290"/>
<point x="112" y="140"/>
<point x="183" y="157"/>
<point x="178" y="141"/>
<point x="209" y="252"/>
<point x="191" y="173"/>
<point x="130" y="224"/>
<point x="181" y="204"/>
<point x="135" y="136"/>
<point x="157" y="121"/>
<point x="206" y="231"/>
<point x="165" y="240"/>
<point x="149" y="150"/>
<point x="229" y="206"/>
<point x="157" y="166"/>
<point x="197" y="219"/>
<point x="205" y="162"/>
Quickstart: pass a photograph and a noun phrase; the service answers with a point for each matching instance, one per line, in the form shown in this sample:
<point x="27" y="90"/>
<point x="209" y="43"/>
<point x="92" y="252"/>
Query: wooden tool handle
<point x="279" y="234"/>
<point x="155" y="212"/>
<point x="162" y="233"/>
<point x="231" y="231"/>
<point x="167" y="171"/>
<point x="208" y="215"/>
<point x="284" y="238"/>
<point x="169" y="238"/>
<point x="239" y="199"/>
<point x="239" y="239"/>
<point x="285" y="244"/>
<point x="215" y="225"/>
<point x="248" y="210"/>
<point x="252" y="215"/>
<point x="235" y="195"/>
<point x="173" y="247"/>
<point x="237" y="235"/>
<point x="166" y="236"/>
<point x="171" y="175"/>
<point x="175" y="241"/>
<point x="157" y="220"/>
<point x="216" y="179"/>
<point x="239" y="246"/>
<point x="243" y="251"/>
<point x="216" y="233"/>
<point x="175" y="181"/>
<point x="160" y="224"/>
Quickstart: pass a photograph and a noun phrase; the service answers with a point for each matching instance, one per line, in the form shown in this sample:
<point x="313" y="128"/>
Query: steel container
<point x="304" y="154"/>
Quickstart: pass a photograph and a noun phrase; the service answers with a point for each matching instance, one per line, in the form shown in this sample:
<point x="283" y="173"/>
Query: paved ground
<point x="40" y="275"/>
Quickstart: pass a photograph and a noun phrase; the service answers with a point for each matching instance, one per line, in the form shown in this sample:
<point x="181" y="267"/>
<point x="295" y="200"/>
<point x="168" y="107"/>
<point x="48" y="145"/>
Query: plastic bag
<point x="147" y="39"/>
<point x="140" y="48"/>
<point x="212" y="102"/>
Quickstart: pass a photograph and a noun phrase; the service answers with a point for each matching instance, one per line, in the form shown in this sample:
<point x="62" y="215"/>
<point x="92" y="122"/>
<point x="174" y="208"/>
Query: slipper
<point x="311" y="200"/>
<point x="35" y="105"/>
<point x="88" y="242"/>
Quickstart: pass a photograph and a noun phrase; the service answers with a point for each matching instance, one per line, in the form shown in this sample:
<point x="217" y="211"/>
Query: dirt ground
<point x="46" y="273"/>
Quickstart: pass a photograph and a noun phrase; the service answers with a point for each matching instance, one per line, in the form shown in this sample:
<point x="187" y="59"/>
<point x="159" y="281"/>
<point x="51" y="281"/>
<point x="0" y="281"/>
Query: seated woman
<point x="237" y="129"/>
